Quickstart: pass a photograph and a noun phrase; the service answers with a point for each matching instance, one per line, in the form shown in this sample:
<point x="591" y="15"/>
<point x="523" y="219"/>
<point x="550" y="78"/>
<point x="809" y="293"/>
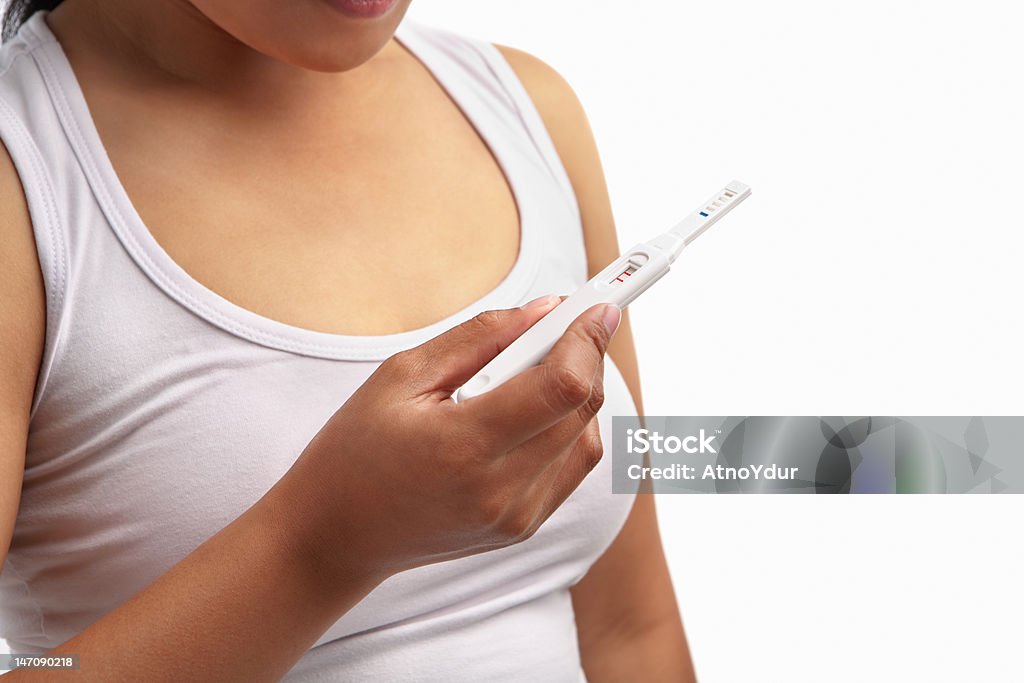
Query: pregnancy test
<point x="620" y="283"/>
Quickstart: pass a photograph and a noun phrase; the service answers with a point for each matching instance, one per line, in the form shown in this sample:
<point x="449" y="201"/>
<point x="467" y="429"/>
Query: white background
<point x="875" y="270"/>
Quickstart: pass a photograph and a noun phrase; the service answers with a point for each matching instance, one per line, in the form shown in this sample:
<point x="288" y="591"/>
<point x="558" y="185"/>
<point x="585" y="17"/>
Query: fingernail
<point x="541" y="301"/>
<point x="611" y="317"/>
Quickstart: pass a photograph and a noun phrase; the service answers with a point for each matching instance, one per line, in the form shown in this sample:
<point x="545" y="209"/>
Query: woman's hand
<point x="402" y="476"/>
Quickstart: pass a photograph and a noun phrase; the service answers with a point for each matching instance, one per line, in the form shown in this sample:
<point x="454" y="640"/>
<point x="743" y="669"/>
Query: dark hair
<point x="19" y="10"/>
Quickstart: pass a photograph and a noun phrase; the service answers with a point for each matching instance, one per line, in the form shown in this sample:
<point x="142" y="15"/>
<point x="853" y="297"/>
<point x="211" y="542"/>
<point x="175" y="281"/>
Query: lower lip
<point x="363" y="9"/>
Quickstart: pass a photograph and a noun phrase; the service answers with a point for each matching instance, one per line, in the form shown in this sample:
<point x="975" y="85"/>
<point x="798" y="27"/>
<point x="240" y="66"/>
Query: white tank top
<point x="163" y="411"/>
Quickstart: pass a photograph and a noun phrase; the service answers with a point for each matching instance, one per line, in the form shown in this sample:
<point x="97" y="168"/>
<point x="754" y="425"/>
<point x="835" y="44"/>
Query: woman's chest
<point x="382" y="220"/>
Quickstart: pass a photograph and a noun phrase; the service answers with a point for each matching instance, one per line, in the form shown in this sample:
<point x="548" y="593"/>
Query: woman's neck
<point x="170" y="42"/>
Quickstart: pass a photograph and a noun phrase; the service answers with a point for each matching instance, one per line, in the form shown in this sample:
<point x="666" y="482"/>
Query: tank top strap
<point x="484" y="67"/>
<point x="39" y="160"/>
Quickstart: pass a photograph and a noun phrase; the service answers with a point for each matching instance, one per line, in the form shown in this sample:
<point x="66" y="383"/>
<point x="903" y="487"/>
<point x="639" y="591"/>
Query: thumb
<point x="445" y="362"/>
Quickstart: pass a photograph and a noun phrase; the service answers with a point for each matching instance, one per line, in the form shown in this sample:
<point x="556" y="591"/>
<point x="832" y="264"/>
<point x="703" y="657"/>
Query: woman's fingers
<point x="585" y="456"/>
<point x="444" y="363"/>
<point x="549" y="449"/>
<point x="559" y="386"/>
<point x="556" y="482"/>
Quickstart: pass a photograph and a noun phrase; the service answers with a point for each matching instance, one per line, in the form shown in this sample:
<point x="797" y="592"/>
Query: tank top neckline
<point x="174" y="281"/>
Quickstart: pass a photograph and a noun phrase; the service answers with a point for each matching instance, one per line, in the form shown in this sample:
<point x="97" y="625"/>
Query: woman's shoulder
<point x="557" y="103"/>
<point x="23" y="84"/>
<point x="29" y="37"/>
<point x="549" y="90"/>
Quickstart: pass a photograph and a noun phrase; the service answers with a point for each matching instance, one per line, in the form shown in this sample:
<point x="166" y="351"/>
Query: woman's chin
<point x="328" y="56"/>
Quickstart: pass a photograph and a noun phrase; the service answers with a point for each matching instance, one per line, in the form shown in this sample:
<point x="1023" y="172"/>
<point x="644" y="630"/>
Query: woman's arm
<point x="22" y="328"/>
<point x="626" y="614"/>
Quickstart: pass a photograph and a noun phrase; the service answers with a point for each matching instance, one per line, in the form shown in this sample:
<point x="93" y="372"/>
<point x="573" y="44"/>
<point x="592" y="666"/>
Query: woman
<point x="219" y="218"/>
